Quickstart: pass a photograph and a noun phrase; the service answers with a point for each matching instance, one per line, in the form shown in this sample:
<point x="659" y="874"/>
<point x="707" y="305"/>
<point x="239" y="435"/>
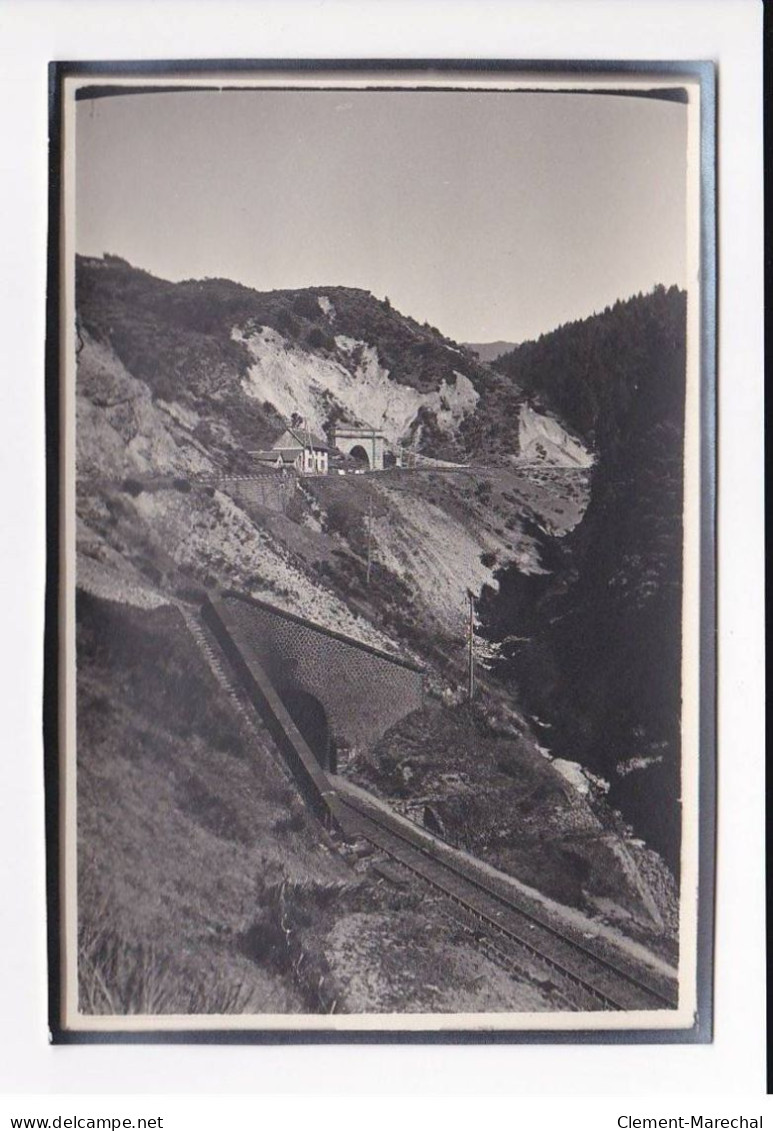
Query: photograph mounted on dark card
<point x="381" y="600"/>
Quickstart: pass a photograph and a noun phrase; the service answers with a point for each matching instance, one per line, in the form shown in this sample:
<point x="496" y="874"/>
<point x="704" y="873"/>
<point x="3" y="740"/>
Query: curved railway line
<point x="583" y="978"/>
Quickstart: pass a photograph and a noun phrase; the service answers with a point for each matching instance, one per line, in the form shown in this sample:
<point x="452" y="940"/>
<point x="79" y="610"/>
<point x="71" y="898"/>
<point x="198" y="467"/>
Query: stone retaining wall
<point x="363" y="690"/>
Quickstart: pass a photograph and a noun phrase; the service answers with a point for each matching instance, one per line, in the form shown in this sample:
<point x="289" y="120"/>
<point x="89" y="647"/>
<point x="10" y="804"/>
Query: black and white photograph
<point x="383" y="458"/>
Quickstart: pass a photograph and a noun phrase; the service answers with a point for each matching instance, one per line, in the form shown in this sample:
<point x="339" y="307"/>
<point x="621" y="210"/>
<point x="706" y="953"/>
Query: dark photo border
<point x="704" y="73"/>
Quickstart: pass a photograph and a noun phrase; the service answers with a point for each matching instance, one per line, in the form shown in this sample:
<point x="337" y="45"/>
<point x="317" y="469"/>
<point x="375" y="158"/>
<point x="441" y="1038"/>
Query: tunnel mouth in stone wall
<point x="360" y="456"/>
<point x="341" y="694"/>
<point x="311" y="719"/>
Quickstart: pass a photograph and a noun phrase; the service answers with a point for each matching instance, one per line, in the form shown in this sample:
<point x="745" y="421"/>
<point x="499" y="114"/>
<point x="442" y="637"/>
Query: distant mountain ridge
<point x="490" y="351"/>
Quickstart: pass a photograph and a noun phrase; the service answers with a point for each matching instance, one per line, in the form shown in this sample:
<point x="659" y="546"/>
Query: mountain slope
<point x="598" y="642"/>
<point x="177" y="383"/>
<point x="588" y="372"/>
<point x="239" y="362"/>
<point x="205" y="885"/>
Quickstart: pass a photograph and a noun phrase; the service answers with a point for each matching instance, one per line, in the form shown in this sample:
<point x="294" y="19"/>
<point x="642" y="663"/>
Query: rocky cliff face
<point x="349" y="384"/>
<point x="543" y="439"/>
<point x="123" y="430"/>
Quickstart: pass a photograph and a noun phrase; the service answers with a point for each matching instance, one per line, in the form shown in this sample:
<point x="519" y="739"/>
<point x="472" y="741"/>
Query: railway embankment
<point x="590" y="968"/>
<point x="206" y="885"/>
<point x="601" y="939"/>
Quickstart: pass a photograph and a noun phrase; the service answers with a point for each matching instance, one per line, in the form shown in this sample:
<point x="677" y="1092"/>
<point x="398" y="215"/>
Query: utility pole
<point x="471" y="646"/>
<point x="370" y="522"/>
<point x="310" y="448"/>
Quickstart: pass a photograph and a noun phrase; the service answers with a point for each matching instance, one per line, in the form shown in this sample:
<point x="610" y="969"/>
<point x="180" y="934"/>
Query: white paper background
<point x="728" y="31"/>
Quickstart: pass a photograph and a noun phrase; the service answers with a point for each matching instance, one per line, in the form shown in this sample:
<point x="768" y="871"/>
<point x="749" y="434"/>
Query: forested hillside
<point x="589" y="372"/>
<point x="594" y="644"/>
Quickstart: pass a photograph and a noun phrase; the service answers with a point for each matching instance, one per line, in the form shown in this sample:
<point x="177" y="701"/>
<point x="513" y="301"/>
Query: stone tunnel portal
<point x="359" y="454"/>
<point x="310" y="717"/>
<point x="360" y="440"/>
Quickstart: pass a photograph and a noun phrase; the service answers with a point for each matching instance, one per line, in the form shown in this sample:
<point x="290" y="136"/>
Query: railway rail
<point x="585" y="979"/>
<point x="515" y="934"/>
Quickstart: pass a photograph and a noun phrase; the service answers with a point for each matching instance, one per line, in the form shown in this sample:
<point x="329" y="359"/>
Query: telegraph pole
<point x="370" y="517"/>
<point x="309" y="446"/>
<point x="471" y="646"/>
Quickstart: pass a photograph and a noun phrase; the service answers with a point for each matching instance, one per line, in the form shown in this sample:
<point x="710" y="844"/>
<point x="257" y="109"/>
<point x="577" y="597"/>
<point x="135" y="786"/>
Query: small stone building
<point x="303" y="451"/>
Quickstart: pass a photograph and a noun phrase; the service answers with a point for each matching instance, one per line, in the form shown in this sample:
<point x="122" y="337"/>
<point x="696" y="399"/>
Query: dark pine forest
<point x="594" y="643"/>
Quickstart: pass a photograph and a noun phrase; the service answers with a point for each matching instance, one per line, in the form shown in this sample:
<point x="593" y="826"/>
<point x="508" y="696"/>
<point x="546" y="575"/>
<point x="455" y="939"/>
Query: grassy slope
<point x="204" y="885"/>
<point x="183" y="841"/>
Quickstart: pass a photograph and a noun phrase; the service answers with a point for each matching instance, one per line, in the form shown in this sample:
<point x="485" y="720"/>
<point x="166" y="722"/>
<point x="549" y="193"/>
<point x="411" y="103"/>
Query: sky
<point x="491" y="215"/>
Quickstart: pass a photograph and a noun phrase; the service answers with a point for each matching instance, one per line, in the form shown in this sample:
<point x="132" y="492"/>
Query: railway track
<point x="584" y="979"/>
<point x="516" y="936"/>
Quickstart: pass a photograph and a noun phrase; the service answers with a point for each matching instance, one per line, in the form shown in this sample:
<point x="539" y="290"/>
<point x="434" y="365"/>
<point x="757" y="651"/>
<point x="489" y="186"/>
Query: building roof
<point x="295" y="438"/>
<point x="271" y="455"/>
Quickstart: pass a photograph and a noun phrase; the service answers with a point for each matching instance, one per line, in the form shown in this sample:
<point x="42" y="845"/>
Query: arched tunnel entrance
<point x="359" y="455"/>
<point x="310" y="717"/>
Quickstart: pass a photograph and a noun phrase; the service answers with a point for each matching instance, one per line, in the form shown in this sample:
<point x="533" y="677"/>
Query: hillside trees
<point x="588" y="371"/>
<point x="594" y="643"/>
